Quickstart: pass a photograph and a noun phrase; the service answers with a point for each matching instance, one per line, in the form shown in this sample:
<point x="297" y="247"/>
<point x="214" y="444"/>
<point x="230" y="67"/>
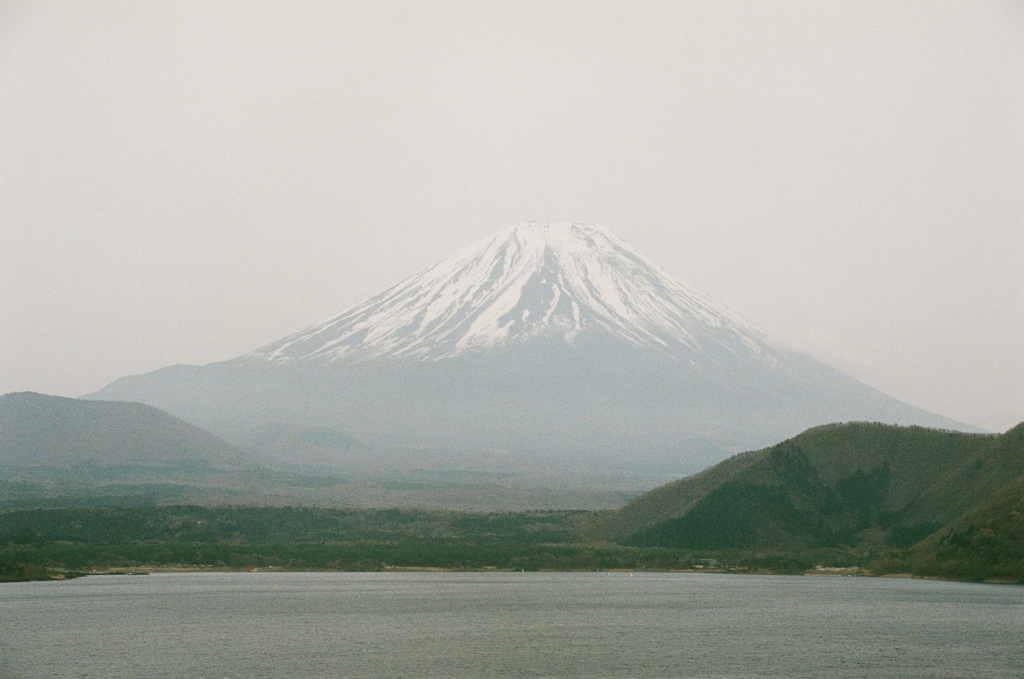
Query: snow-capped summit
<point x="532" y="280"/>
<point x="550" y="343"/>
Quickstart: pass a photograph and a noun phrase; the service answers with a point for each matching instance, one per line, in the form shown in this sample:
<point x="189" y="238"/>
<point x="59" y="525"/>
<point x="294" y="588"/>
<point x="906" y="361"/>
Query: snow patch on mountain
<point x="561" y="281"/>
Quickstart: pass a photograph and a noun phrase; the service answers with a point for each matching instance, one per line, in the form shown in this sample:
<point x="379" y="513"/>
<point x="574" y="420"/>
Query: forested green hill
<point x="870" y="489"/>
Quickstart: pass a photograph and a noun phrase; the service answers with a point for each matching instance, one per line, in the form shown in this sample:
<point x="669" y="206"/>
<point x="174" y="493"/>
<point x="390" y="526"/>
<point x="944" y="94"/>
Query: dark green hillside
<point x="987" y="543"/>
<point x="989" y="539"/>
<point x="849" y="460"/>
<point x="672" y="500"/>
<point x="971" y="484"/>
<point x="861" y="488"/>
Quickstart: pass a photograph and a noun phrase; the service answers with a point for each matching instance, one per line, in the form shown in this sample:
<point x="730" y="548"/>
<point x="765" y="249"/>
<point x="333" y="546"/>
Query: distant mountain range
<point x="67" y="452"/>
<point x="545" y="344"/>
<point x="37" y="430"/>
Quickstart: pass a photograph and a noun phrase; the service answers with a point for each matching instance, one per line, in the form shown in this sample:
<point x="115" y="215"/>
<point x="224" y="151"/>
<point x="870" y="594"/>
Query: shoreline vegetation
<point x="29" y="573"/>
<point x="841" y="499"/>
<point x="23" y="572"/>
<point x="56" y="544"/>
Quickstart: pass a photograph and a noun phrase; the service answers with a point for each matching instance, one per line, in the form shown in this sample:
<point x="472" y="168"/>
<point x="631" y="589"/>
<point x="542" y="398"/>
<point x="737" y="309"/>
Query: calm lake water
<point x="487" y="625"/>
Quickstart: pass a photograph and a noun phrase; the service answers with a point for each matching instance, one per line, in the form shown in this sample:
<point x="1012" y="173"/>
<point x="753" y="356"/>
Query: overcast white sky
<point x="182" y="182"/>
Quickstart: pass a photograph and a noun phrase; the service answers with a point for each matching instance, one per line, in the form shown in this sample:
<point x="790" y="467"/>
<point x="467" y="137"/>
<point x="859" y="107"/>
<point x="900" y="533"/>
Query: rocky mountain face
<point x="545" y="344"/>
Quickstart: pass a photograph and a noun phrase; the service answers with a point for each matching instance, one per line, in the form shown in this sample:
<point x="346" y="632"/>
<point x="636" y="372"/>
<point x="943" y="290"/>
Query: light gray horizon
<point x="185" y="182"/>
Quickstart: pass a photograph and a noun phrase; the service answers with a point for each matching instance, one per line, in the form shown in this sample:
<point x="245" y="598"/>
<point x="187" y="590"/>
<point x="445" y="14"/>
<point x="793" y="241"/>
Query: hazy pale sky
<point x="182" y="182"/>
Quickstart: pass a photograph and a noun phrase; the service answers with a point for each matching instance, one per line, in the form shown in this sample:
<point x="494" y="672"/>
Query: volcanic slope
<point x="551" y="344"/>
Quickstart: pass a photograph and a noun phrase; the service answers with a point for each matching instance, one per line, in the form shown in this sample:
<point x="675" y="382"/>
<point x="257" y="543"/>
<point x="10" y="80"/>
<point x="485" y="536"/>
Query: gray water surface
<point x="489" y="625"/>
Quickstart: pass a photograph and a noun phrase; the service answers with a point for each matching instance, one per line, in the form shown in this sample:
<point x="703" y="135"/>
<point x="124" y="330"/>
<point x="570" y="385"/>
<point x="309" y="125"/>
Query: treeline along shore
<point x="845" y="498"/>
<point x="51" y="543"/>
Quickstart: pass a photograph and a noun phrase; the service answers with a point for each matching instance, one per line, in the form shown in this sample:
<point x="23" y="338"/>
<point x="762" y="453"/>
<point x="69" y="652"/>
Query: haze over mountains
<point x="542" y="344"/>
<point x="69" y="451"/>
<point x="66" y="452"/>
<point x="39" y="430"/>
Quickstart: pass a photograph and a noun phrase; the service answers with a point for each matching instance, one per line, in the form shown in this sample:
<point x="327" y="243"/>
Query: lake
<point x="490" y="625"/>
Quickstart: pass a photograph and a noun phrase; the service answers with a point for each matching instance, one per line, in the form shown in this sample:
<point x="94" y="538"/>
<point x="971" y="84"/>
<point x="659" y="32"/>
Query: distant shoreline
<point x="61" y="576"/>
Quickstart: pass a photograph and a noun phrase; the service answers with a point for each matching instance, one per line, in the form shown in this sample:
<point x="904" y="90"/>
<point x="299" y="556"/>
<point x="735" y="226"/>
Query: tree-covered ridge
<point x="871" y="489"/>
<point x="925" y="467"/>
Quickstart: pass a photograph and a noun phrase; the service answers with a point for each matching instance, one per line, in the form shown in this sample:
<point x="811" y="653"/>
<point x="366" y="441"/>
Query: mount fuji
<point x="555" y="344"/>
